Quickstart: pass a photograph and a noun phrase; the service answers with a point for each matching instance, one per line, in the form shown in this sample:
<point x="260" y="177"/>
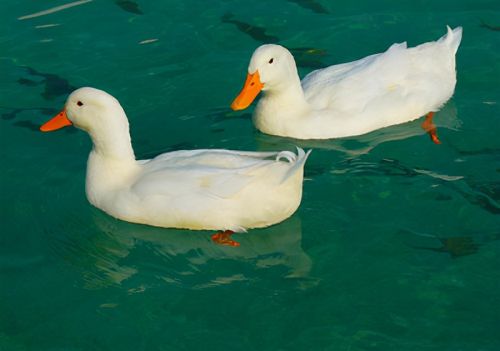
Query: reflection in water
<point x="481" y="152"/>
<point x="34" y="112"/>
<point x="177" y="146"/>
<point x="111" y="252"/>
<point x="388" y="168"/>
<point x="308" y="57"/>
<point x="455" y="246"/>
<point x="312" y="5"/>
<point x="481" y="194"/>
<point x="490" y="189"/>
<point x="35" y="127"/>
<point x="129" y="6"/>
<point x="13" y="112"/>
<point x="476" y="195"/>
<point x="304" y="56"/>
<point x="363" y="144"/>
<point x="54" y="85"/>
<point x="489" y="26"/>
<point x="255" y="32"/>
<point x="54" y="9"/>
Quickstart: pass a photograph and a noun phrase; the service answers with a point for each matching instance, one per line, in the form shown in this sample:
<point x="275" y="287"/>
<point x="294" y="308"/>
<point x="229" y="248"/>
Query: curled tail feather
<point x="298" y="163"/>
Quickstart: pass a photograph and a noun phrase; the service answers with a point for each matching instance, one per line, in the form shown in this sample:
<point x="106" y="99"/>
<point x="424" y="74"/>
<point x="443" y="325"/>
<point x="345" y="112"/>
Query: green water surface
<point x="395" y="246"/>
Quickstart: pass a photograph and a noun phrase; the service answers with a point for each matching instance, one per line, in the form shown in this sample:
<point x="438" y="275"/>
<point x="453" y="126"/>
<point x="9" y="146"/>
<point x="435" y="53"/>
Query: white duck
<point x="197" y="189"/>
<point x="397" y="86"/>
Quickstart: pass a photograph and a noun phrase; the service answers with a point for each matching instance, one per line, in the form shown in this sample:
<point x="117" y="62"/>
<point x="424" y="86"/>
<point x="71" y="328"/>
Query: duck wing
<point x="209" y="173"/>
<point x="350" y="87"/>
<point x="400" y="79"/>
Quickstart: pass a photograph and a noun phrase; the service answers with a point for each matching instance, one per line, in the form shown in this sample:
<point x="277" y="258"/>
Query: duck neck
<point x="113" y="145"/>
<point x="288" y="93"/>
<point x="112" y="140"/>
<point x="111" y="165"/>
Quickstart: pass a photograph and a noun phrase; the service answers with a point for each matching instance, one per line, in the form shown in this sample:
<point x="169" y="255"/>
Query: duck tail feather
<point x="452" y="38"/>
<point x="298" y="165"/>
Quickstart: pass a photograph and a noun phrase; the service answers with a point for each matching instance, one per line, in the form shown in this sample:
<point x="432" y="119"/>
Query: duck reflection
<point x="115" y="253"/>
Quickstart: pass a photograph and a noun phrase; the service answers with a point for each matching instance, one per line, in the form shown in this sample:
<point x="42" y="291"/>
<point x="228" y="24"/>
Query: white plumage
<point x="197" y="189"/>
<point x="393" y="87"/>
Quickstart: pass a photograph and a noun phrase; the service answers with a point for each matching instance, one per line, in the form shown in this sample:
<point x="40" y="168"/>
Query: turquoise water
<point x="395" y="246"/>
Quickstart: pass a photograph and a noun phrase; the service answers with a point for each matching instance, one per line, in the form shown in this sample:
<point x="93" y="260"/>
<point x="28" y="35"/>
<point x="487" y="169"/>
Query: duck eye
<point x="79" y="103"/>
<point x="271" y="60"/>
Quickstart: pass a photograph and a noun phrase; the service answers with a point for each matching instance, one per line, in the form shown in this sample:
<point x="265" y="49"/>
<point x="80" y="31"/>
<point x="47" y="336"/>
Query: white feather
<point x="196" y="189"/>
<point x="393" y="87"/>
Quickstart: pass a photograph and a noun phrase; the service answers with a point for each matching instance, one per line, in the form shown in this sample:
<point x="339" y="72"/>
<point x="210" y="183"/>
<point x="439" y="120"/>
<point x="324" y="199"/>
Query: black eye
<point x="79" y="103"/>
<point x="271" y="60"/>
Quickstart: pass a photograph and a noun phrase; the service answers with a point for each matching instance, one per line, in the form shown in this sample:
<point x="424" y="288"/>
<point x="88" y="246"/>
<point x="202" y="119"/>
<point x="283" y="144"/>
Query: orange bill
<point x="250" y="90"/>
<point x="59" y="121"/>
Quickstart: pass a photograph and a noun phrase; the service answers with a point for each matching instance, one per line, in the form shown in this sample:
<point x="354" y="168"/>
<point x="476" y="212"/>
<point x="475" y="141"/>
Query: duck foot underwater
<point x="430" y="128"/>
<point x="224" y="238"/>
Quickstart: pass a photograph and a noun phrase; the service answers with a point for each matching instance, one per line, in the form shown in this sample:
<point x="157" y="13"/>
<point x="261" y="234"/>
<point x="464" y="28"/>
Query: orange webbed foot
<point x="430" y="128"/>
<point x="224" y="238"/>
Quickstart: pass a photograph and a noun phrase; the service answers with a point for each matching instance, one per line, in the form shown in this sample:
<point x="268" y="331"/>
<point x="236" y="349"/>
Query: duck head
<point x="272" y="68"/>
<point x="101" y="116"/>
<point x="88" y="109"/>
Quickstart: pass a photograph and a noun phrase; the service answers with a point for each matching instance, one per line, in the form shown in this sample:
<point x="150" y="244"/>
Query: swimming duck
<point x="393" y="87"/>
<point x="214" y="189"/>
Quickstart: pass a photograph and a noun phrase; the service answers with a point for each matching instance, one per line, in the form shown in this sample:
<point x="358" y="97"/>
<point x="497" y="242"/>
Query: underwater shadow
<point x="109" y="252"/>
